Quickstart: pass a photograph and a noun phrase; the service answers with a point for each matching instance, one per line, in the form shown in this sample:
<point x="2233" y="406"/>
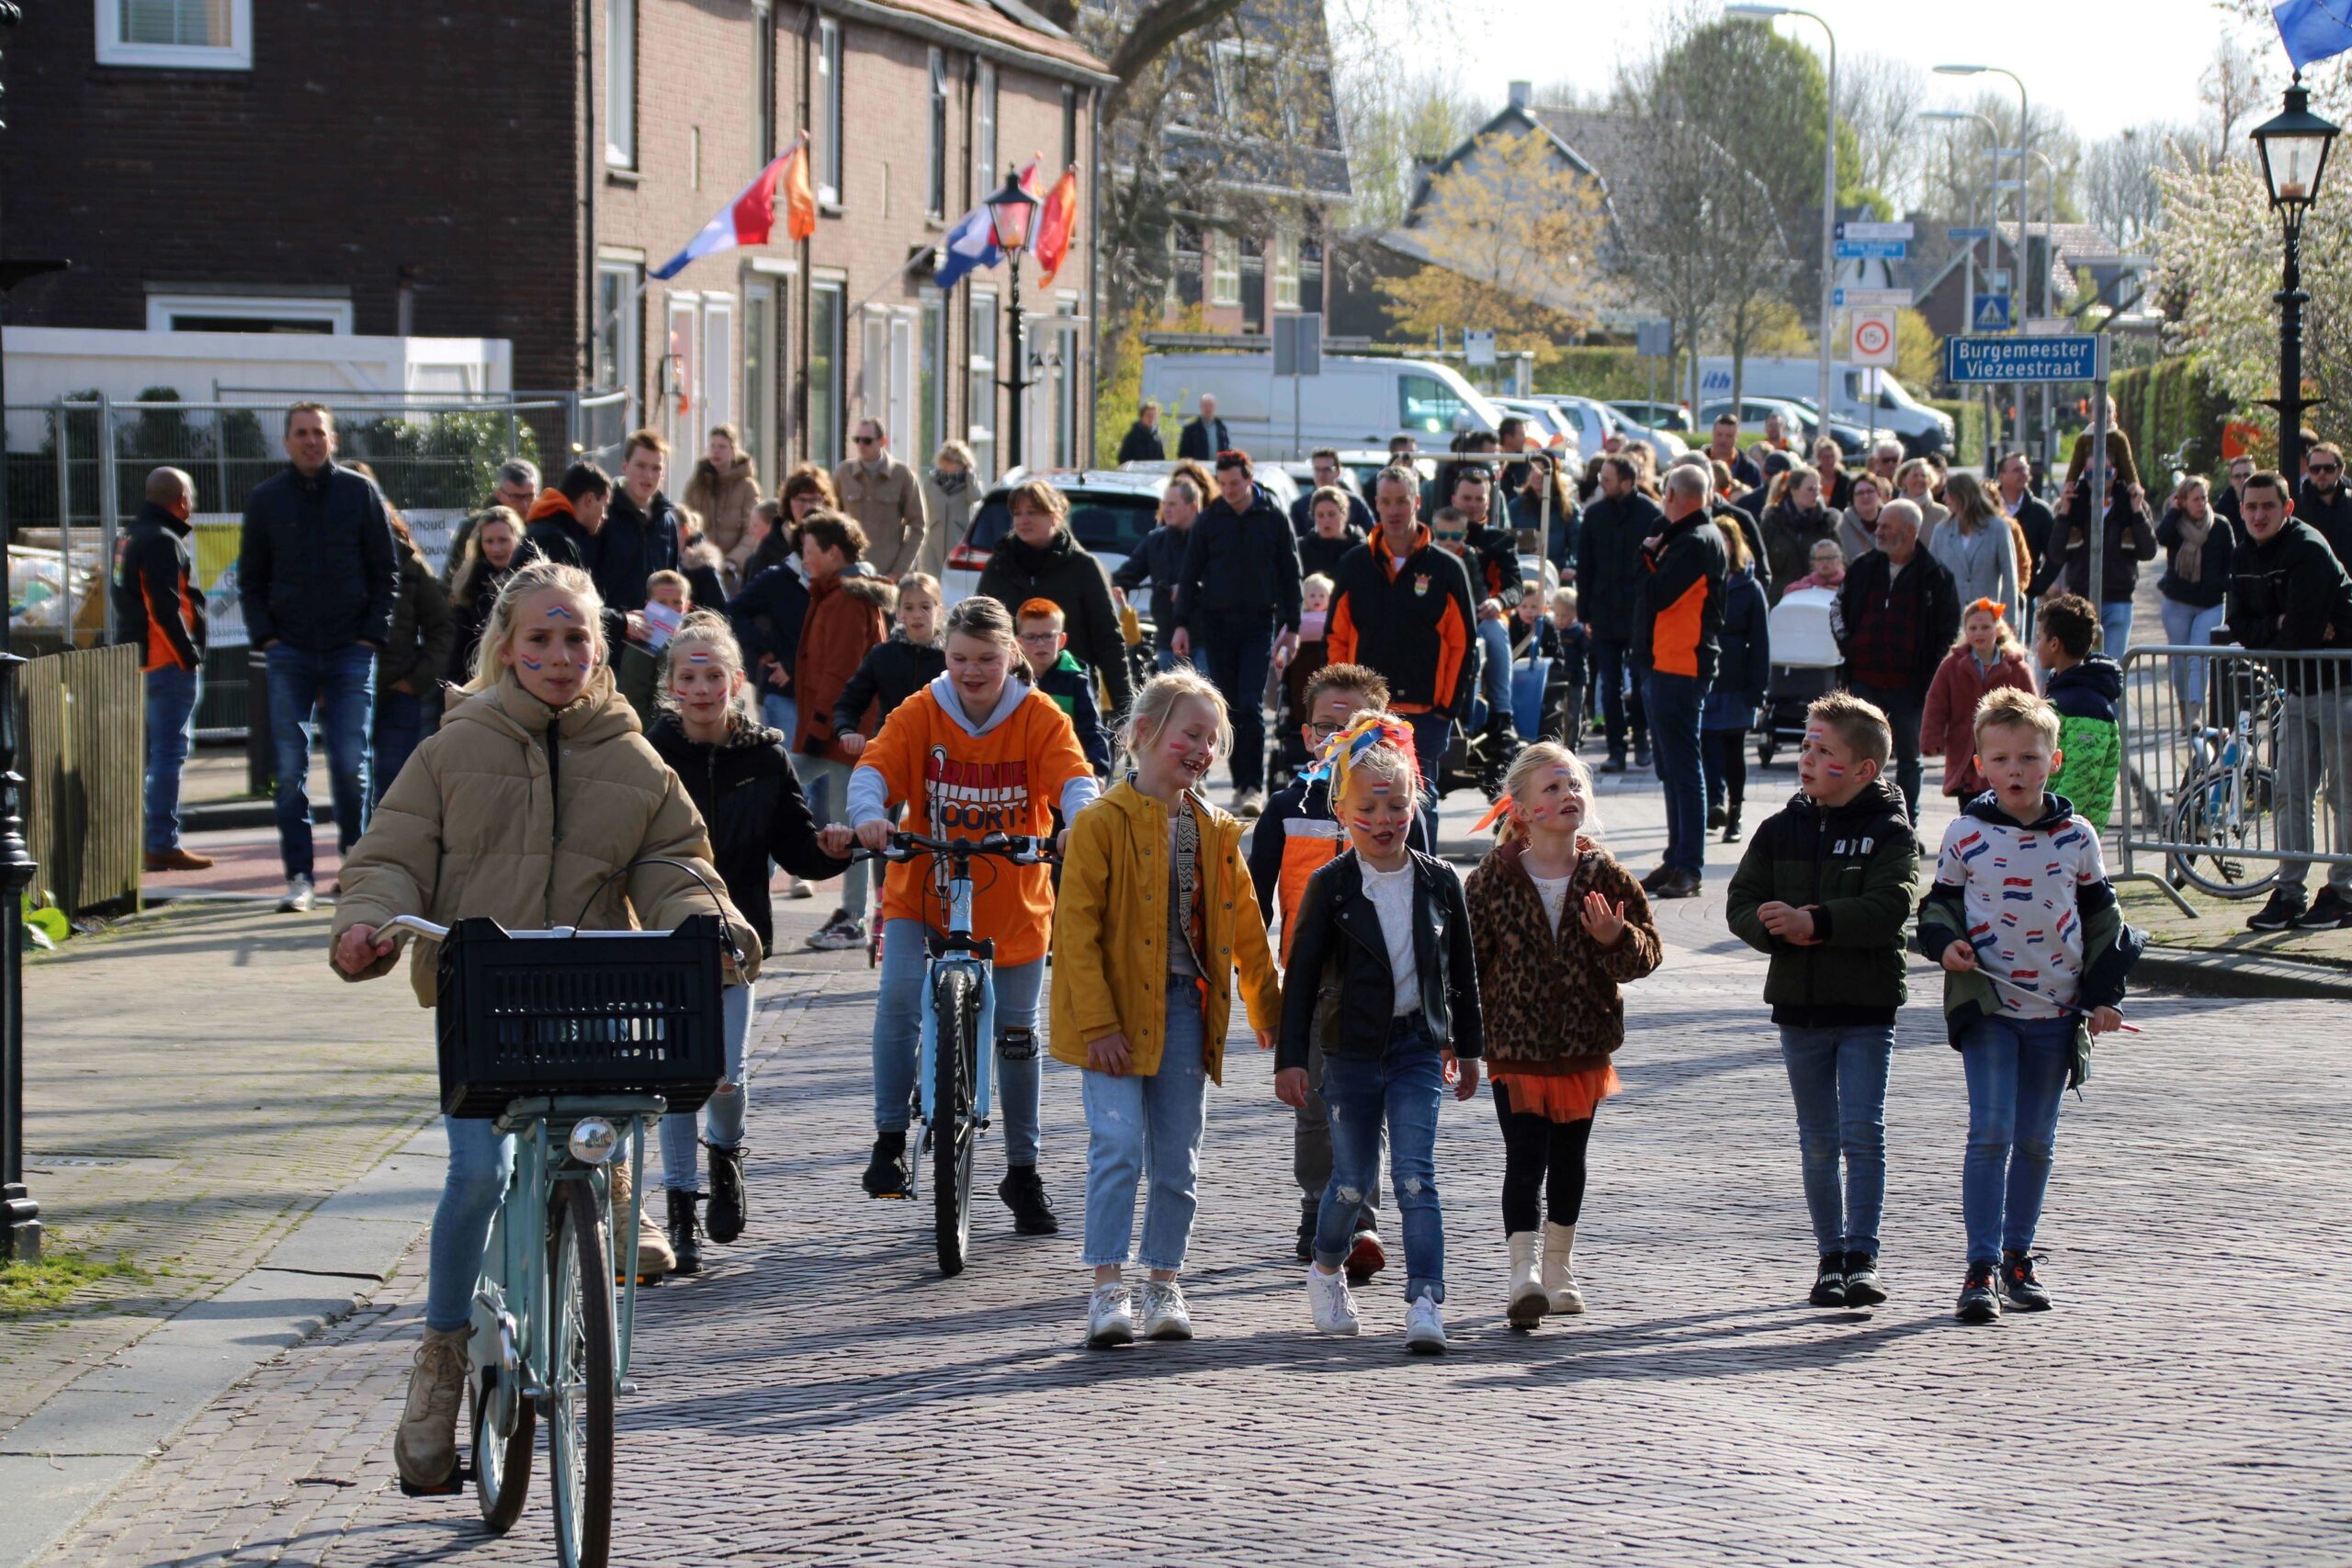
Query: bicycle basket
<point x="600" y="1012"/>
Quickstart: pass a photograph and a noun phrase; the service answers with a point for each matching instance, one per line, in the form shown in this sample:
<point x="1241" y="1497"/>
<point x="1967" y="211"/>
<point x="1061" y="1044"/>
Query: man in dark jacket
<point x="1205" y="436"/>
<point x="1239" y="605"/>
<point x="2289" y="593"/>
<point x="644" y="533"/>
<point x="159" y="609"/>
<point x="1159" y="561"/>
<point x="2324" y="503"/>
<point x="1895" y="619"/>
<point x="1141" y="444"/>
<point x="317" y="579"/>
<point x="1329" y="474"/>
<point x="1607" y="576"/>
<point x="1677" y="627"/>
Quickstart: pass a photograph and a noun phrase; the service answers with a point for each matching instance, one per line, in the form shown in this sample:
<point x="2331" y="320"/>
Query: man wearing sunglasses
<point x="886" y="498"/>
<point x="2322" y="502"/>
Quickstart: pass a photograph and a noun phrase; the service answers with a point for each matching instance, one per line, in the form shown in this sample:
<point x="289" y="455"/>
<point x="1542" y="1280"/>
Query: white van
<point x="1355" y="403"/>
<point x="1892" y="409"/>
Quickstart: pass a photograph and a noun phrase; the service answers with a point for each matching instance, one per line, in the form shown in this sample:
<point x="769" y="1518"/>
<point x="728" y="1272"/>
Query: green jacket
<point x="1857" y="867"/>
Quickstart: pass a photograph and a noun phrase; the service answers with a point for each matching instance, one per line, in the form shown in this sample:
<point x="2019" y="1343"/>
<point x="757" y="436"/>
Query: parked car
<point x="1357" y="402"/>
<point x="1850" y="438"/>
<point x="1752" y="413"/>
<point x="1273" y="477"/>
<point x="1549" y="426"/>
<point x="1654" y="416"/>
<point x="1365" y="466"/>
<point x="1857" y="396"/>
<point x="1110" y="511"/>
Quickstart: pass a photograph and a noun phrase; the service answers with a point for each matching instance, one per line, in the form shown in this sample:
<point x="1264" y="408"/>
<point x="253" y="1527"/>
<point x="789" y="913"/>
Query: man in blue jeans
<point x="1238" y="610"/>
<point x="317" y="577"/>
<point x="159" y="609"/>
<point x="1677" y="627"/>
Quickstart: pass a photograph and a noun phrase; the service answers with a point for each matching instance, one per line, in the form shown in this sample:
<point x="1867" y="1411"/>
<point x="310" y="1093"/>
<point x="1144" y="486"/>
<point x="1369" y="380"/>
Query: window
<point x="1065" y="386"/>
<point x="620" y="84"/>
<point x="985" y="174"/>
<point x="980" y="396"/>
<point x="759" y="321"/>
<point x="693" y="157"/>
<point x="1285" y="270"/>
<point x="828" y="112"/>
<point x="717" y="365"/>
<point x="681" y="375"/>
<point x="931" y="381"/>
<point x="828" y="320"/>
<point x="182" y="35"/>
<point x="1224" y="268"/>
<point x="935" y="193"/>
<point x="1070" y="126"/>
<point x="246" y="313"/>
<point x="619" y="353"/>
<point x="763" y="86"/>
<point x="1426" y="405"/>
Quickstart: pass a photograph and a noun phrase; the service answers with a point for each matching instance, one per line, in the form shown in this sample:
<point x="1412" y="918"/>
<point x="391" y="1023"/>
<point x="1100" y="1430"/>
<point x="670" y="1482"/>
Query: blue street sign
<point x="1870" y="250"/>
<point x="1959" y="236"/>
<point x="1989" y="313"/>
<point x="1992" y="361"/>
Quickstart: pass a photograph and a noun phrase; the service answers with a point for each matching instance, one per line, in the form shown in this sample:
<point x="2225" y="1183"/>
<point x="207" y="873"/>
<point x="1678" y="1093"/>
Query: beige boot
<point x="654" y="1257"/>
<point x="1528" y="1301"/>
<point x="425" y="1450"/>
<point x="1560" y="1267"/>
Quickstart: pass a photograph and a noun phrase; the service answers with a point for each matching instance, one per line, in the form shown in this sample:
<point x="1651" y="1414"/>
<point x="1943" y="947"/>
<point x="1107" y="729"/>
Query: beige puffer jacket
<point x="472" y="827"/>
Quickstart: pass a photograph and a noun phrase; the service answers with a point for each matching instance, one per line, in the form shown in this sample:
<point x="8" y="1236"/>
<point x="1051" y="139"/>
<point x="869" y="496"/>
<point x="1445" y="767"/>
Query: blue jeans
<point x="1433" y="733"/>
<point x="2016" y="1080"/>
<point x="341" y="683"/>
<point x="1674" y="702"/>
<point x="480" y="1161"/>
<point x="1494" y="669"/>
<point x="1401" y="1089"/>
<point x="1138" y="1125"/>
<point x="1838" y="1076"/>
<point x="898" y="1039"/>
<point x="827" y="783"/>
<point x="1164" y="659"/>
<point x="399" y="724"/>
<point x="1240" y="649"/>
<point x="780" y="712"/>
<point x="1613" y="672"/>
<point x="170" y="729"/>
<point x="722" y="1113"/>
<point x="2115" y="627"/>
<point x="2188" y="625"/>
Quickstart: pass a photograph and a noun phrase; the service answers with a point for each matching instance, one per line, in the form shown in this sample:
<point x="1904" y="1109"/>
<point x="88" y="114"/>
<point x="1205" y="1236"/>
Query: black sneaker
<point x="1979" y="1301"/>
<point x="723" y="1220"/>
<point x="685" y="1236"/>
<point x="2017" y="1283"/>
<point x="2330" y="910"/>
<point x="1641" y="756"/>
<point x="2285" y="910"/>
<point x="1715" y="818"/>
<point x="1679" y="884"/>
<point x="1829" y="1284"/>
<point x="887" y="1174"/>
<point x="1306" y="1237"/>
<point x="1731" y="829"/>
<point x="1615" y="764"/>
<point x="1023" y="1193"/>
<point x="1863" y="1288"/>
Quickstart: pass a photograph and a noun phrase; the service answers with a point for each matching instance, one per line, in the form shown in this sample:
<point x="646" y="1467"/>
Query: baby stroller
<point x="1806" y="661"/>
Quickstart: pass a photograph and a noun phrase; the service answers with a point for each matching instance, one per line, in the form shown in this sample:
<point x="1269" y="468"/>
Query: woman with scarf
<point x="2199" y="544"/>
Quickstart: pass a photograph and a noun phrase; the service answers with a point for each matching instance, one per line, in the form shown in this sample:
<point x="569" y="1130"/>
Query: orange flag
<point x="800" y="202"/>
<point x="1055" y="224"/>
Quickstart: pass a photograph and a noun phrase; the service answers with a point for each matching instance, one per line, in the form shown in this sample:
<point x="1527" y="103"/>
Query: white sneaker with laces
<point x="298" y="897"/>
<point x="1110" y="1318"/>
<point x="1327" y="1295"/>
<point x="1165" y="1315"/>
<point x="1424" y="1328"/>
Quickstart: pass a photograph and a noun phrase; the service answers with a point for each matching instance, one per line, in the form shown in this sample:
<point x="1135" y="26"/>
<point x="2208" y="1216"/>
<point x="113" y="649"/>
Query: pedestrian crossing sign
<point x="1991" y="314"/>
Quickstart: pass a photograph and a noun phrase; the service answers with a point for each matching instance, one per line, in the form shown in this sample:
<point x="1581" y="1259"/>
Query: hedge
<point x="2170" y="406"/>
<point x="1610" y="372"/>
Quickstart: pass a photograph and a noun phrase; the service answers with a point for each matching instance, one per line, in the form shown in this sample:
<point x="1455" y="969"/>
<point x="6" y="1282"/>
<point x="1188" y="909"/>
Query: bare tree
<point x="2233" y="89"/>
<point x="1880" y="99"/>
<point x="2121" y="192"/>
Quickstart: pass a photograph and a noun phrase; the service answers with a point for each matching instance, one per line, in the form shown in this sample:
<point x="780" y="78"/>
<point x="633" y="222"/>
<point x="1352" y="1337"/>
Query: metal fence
<point x="84" y="728"/>
<point x="2234" y="760"/>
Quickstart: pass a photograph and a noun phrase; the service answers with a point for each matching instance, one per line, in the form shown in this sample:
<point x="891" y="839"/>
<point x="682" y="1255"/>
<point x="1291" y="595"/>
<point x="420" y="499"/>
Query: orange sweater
<point x="954" y="784"/>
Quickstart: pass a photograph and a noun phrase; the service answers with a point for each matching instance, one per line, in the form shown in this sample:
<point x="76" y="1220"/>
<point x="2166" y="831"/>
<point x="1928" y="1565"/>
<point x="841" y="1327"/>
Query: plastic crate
<point x="601" y="1012"/>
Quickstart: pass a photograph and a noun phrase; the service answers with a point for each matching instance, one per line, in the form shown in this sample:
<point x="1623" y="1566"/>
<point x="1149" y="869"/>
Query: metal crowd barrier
<point x="2234" y="761"/>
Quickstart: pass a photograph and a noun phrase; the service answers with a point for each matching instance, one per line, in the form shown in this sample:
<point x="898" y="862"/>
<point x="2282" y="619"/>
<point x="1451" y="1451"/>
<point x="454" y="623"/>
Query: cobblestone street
<point x="819" y="1396"/>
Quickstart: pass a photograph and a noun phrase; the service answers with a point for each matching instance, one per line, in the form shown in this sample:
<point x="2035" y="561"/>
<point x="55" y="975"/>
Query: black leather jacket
<point x="1340" y="981"/>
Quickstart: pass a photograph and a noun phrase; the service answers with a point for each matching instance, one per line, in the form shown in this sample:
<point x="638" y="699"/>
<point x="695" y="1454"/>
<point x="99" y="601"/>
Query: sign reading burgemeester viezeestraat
<point x="1982" y="361"/>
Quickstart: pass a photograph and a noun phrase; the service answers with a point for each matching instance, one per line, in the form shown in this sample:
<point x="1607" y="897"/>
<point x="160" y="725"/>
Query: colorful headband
<point x="1998" y="610"/>
<point x="1361" y="734"/>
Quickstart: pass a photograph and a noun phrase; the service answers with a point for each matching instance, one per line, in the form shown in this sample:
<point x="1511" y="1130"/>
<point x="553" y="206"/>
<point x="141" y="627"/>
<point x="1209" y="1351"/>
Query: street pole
<point x="2025" y="144"/>
<point x="1757" y="11"/>
<point x="1017" y="382"/>
<point x="2290" y="299"/>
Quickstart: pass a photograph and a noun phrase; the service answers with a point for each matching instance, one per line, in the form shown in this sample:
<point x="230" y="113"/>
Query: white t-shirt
<point x="1391" y="892"/>
<point x="2018" y="889"/>
<point x="1553" y="891"/>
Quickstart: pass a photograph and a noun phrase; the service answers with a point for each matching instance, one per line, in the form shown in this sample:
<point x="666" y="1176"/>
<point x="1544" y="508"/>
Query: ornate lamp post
<point x="2294" y="147"/>
<point x="1010" y="212"/>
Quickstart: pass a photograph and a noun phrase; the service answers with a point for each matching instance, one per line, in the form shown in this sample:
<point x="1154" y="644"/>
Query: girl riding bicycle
<point x="973" y="753"/>
<point x="529" y="806"/>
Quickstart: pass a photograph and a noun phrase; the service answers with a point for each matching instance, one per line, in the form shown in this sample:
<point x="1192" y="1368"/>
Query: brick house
<point x="510" y="168"/>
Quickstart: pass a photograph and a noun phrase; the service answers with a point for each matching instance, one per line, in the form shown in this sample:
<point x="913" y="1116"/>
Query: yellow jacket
<point x="1111" y="930"/>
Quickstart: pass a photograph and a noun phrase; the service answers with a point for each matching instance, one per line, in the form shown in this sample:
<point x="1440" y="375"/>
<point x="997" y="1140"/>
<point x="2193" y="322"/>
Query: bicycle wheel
<point x="2202" y="813"/>
<point x="501" y="1465"/>
<point x="580" y="1379"/>
<point x="955" y="1131"/>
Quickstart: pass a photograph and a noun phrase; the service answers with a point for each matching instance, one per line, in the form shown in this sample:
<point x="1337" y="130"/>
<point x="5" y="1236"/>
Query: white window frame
<point x="164" y="310"/>
<point x="984" y="151"/>
<point x="620" y="84"/>
<point x="758" y="359"/>
<point x="832" y="419"/>
<point x="1225" y="267"/>
<point x="718" y="363"/>
<point x="935" y="192"/>
<point x="1282" y="266"/>
<point x="237" y="54"/>
<point x="980" y="374"/>
<point x="627" y="338"/>
<point x="828" y="112"/>
<point x="931" y="415"/>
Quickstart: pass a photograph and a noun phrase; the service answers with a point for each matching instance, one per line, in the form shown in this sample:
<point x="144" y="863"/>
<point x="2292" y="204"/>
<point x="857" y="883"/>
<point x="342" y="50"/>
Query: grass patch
<point x="26" y="1288"/>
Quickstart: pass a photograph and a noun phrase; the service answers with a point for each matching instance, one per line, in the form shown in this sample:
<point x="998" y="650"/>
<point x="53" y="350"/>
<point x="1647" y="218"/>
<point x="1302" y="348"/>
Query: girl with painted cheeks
<point x="1557" y="926"/>
<point x="974" y="752"/>
<point x="1383" y="980"/>
<point x="1154" y="918"/>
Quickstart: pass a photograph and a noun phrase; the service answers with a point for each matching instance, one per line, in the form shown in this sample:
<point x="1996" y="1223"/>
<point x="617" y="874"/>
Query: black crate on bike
<point x="601" y="1012"/>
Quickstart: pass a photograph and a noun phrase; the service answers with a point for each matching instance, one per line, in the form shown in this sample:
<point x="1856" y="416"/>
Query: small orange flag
<point x="800" y="202"/>
<point x="1055" y="224"/>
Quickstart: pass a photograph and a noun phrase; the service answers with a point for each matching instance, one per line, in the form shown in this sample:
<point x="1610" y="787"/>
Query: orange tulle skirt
<point x="1561" y="1097"/>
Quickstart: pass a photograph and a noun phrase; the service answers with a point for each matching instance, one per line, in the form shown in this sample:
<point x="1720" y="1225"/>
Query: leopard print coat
<point x="1551" y="1002"/>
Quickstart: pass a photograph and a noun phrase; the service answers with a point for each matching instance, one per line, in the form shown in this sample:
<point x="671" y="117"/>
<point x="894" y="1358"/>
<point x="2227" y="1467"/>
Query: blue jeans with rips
<point x="341" y="683"/>
<point x="722" y="1113"/>
<point x="1674" y="702"/>
<point x="2017" y="1081"/>
<point x="1838" y="1076"/>
<point x="171" y="728"/>
<point x="898" y="1039"/>
<point x="1401" y="1090"/>
<point x="1149" y="1128"/>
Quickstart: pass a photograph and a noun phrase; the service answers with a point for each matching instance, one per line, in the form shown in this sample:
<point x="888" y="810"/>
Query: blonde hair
<point x="708" y="630"/>
<point x="1316" y="581"/>
<point x="1537" y="759"/>
<point x="498" y="630"/>
<point x="920" y="583"/>
<point x="665" y="578"/>
<point x="1734" y="544"/>
<point x="2009" y="708"/>
<point x="2004" y="639"/>
<point x="1155" y="705"/>
<point x="1860" y="725"/>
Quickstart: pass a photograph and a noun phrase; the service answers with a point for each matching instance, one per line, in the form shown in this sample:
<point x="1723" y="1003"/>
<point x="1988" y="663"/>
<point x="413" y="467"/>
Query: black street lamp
<point x="2294" y="147"/>
<point x="1010" y="212"/>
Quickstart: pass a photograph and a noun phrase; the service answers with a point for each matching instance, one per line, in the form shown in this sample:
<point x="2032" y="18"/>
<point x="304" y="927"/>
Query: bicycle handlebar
<point x="1019" y="849"/>
<point x="403" y="925"/>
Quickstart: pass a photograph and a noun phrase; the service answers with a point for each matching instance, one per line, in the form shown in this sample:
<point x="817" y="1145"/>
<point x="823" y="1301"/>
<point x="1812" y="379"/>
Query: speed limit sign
<point x="1874" y="337"/>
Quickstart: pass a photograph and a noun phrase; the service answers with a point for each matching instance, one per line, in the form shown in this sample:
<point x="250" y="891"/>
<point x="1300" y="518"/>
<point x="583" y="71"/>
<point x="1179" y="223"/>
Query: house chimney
<point x="1522" y="93"/>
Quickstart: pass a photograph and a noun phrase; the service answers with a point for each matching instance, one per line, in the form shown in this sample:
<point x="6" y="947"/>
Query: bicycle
<point x="606" y="1032"/>
<point x="2224" y="807"/>
<point x="955" y="1075"/>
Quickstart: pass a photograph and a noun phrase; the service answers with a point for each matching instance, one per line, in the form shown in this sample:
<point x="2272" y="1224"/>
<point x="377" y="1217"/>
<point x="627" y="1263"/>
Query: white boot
<point x="1529" y="1300"/>
<point x="1560" y="1267"/>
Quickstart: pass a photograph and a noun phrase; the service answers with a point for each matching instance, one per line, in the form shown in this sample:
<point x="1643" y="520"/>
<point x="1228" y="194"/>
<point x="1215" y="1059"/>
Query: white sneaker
<point x="1165" y="1315"/>
<point x="298" y="897"/>
<point x="1424" y="1328"/>
<point x="1326" y="1294"/>
<point x="1110" y="1318"/>
<point x="796" y="888"/>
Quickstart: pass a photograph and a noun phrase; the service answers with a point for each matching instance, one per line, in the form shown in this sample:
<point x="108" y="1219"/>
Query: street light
<point x="2294" y="147"/>
<point x="1968" y="306"/>
<point x="1010" y="212"/>
<point x="2025" y="142"/>
<point x="1766" y="13"/>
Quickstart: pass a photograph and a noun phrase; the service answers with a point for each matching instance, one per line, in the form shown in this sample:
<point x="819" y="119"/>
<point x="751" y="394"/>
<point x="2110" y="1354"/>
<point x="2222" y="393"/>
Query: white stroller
<point x="1806" y="661"/>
